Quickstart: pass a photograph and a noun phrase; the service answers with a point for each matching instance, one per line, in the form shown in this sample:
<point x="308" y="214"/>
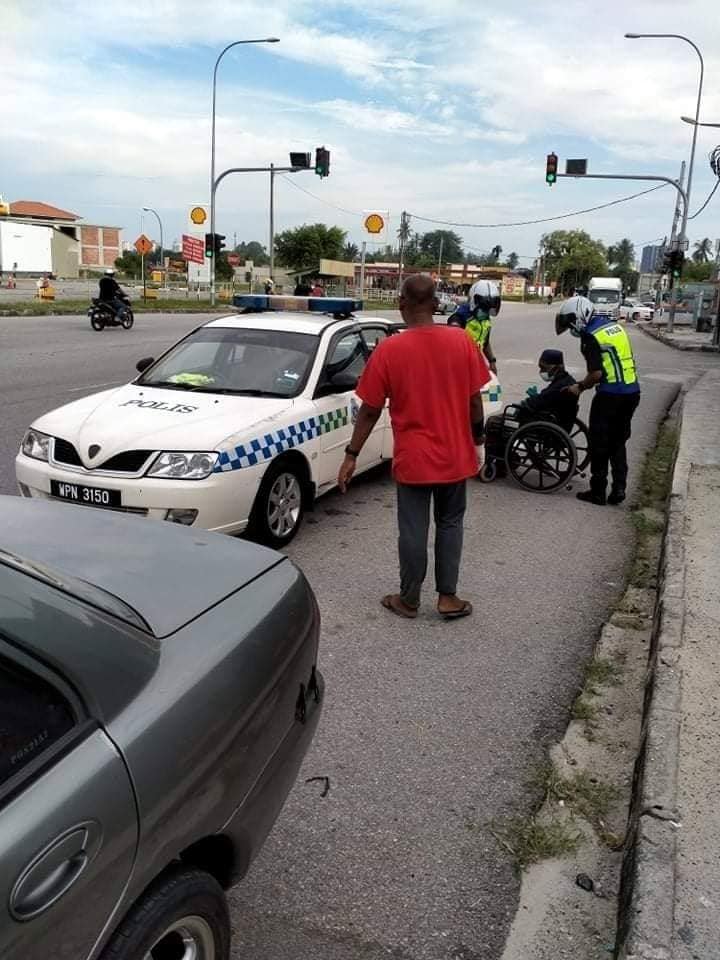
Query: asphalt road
<point x="430" y="729"/>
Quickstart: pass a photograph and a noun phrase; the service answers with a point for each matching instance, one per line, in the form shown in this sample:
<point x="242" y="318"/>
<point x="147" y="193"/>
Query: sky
<point x="443" y="108"/>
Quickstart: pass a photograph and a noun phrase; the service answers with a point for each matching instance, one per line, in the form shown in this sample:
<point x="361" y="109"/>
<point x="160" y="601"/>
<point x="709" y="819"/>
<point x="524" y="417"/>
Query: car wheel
<point x="635" y="317"/>
<point x="182" y="915"/>
<point x="279" y="506"/>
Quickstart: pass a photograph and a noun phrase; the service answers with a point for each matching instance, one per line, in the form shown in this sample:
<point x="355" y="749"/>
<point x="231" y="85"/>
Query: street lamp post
<point x="157" y="215"/>
<point x="222" y="53"/>
<point x="686" y="210"/>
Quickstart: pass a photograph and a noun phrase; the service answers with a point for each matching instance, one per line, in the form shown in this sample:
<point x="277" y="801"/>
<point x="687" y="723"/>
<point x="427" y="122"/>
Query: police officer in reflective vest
<point x="611" y="370"/>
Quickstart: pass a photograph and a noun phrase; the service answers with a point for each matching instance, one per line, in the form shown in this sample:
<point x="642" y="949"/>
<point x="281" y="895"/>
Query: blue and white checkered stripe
<point x="265" y="447"/>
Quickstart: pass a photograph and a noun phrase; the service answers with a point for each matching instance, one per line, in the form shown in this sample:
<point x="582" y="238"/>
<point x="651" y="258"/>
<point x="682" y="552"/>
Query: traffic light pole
<point x="272" y="170"/>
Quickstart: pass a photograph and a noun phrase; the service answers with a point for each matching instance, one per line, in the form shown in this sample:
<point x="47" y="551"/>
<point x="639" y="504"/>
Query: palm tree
<point x="622" y="255"/>
<point x="350" y="252"/>
<point x="703" y="251"/>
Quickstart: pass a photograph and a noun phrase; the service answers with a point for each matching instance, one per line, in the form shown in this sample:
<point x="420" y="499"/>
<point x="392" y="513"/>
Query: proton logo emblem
<point x="93" y="450"/>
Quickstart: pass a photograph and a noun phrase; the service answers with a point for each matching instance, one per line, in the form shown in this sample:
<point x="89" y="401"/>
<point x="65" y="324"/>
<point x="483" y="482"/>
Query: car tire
<point x="181" y="903"/>
<point x="279" y="505"/>
<point x="635" y="317"/>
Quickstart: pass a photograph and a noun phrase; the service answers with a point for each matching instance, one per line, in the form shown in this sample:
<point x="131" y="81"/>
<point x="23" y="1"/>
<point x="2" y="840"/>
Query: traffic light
<point x="219" y="243"/>
<point x="677" y="259"/>
<point x="322" y="162"/>
<point x="551" y="169"/>
<point x="209" y="244"/>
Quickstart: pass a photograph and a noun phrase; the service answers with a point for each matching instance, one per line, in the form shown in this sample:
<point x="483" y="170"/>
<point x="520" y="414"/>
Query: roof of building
<point x="40" y="211"/>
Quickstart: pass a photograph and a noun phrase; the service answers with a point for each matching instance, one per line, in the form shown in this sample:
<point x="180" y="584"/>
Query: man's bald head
<point x="419" y="290"/>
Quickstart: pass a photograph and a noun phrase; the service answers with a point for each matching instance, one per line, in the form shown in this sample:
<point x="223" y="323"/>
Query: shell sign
<point x="198" y="215"/>
<point x="374" y="223"/>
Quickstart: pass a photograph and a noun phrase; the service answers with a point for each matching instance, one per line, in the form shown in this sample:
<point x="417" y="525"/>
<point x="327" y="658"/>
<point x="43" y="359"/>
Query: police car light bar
<point x="258" y="302"/>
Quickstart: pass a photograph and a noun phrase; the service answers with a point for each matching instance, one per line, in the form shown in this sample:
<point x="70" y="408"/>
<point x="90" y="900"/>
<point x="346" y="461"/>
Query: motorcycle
<point x="101" y="314"/>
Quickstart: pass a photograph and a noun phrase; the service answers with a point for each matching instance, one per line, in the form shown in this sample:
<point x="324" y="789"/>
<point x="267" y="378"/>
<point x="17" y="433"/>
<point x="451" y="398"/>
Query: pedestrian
<point x="608" y="354"/>
<point x="269" y="284"/>
<point x="317" y="290"/>
<point x="432" y="375"/>
<point x="302" y="289"/>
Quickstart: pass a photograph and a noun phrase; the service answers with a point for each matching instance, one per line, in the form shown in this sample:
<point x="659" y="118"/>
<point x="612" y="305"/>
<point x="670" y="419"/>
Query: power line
<point x="328" y="203"/>
<point x="529" y="223"/>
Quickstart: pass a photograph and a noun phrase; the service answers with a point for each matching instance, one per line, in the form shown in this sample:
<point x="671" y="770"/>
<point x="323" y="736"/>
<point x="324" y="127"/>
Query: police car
<point x="241" y="424"/>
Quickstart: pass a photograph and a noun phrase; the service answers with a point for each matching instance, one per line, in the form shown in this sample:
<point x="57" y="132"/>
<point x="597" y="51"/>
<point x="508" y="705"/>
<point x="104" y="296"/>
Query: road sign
<point x="193" y="249"/>
<point x="143" y="245"/>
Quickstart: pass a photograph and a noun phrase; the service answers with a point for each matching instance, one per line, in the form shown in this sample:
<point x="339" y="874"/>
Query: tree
<point x="223" y="270"/>
<point x="305" y="246"/>
<point x="512" y="260"/>
<point x="621" y="257"/>
<point x="703" y="251"/>
<point x="447" y="241"/>
<point x="351" y="252"/>
<point x="694" y="272"/>
<point x="130" y="263"/>
<point x="253" y="250"/>
<point x="571" y="257"/>
<point x="495" y="253"/>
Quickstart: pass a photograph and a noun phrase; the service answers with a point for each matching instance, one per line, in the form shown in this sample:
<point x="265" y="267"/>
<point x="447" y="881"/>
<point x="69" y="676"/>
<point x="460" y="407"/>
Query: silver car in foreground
<point x="158" y="691"/>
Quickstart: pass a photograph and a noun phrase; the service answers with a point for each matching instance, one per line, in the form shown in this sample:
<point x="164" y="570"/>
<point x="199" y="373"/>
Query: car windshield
<point x="236" y="360"/>
<point x="604" y="296"/>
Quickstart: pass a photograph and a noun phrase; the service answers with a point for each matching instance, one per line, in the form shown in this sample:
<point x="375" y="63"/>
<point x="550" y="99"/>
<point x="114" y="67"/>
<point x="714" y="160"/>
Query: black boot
<point x="616" y="497"/>
<point x="587" y="496"/>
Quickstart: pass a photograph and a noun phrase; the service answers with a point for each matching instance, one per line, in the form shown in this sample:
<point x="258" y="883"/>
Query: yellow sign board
<point x="198" y="215"/>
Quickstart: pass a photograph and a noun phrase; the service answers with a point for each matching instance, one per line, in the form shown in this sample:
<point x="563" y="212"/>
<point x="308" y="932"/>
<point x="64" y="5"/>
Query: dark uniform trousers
<point x="609" y="428"/>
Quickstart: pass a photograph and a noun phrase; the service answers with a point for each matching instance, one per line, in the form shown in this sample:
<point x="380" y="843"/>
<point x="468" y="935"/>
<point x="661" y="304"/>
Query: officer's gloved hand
<point x="532" y="391"/>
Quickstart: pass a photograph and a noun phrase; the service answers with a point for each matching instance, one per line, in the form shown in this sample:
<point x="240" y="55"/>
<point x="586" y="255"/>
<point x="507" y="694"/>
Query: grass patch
<point x="584" y="794"/>
<point x="602" y="672"/>
<point x="584" y="709"/>
<point x="529" y="840"/>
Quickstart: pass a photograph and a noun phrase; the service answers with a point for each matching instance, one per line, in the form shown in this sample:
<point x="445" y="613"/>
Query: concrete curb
<point x="646" y="909"/>
<point x="670" y="341"/>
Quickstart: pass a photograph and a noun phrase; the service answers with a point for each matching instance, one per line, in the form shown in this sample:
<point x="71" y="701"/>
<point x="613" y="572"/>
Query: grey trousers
<point x="414" y="522"/>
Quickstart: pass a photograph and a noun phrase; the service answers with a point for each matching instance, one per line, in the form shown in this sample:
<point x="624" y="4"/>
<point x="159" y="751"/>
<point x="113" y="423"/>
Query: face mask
<point x="546" y="376"/>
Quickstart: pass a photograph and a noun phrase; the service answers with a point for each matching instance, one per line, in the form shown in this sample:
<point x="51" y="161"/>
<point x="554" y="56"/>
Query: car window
<point x="347" y="356"/>
<point x="236" y="360"/>
<point x="373" y="336"/>
<point x="33" y="717"/>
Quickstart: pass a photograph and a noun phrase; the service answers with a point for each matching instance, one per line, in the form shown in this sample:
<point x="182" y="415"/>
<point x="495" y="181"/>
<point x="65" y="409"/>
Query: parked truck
<point x="606" y="293"/>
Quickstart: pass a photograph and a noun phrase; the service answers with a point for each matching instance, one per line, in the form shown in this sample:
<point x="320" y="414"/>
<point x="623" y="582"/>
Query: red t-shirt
<point x="429" y="374"/>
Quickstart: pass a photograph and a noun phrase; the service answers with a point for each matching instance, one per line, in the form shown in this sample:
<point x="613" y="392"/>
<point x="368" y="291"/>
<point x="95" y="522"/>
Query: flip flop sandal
<point x="464" y="611"/>
<point x="394" y="604"/>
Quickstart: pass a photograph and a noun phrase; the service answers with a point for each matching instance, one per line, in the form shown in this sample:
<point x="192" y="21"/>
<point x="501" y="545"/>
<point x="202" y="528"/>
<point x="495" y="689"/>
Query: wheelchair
<point x="538" y="454"/>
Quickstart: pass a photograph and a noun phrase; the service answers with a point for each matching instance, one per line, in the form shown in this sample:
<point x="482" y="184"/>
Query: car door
<point x="337" y="404"/>
<point x="68" y="819"/>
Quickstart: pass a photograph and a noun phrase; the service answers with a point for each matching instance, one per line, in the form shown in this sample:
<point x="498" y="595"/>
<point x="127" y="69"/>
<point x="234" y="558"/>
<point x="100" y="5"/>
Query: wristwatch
<point x="352" y="453"/>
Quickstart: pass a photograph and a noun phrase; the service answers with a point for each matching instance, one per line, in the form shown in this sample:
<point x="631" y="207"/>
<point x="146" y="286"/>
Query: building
<point x="651" y="258"/>
<point x="38" y="238"/>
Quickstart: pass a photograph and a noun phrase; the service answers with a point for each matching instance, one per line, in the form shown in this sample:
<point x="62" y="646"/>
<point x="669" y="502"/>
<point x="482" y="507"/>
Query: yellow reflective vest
<point x="618" y="362"/>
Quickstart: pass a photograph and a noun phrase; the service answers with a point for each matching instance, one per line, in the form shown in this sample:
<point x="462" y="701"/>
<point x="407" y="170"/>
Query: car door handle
<point x="53" y="871"/>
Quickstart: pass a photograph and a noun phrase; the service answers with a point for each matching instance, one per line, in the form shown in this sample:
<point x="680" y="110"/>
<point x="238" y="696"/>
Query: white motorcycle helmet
<point x="109" y="272"/>
<point x="484" y="295"/>
<point x="574" y="315"/>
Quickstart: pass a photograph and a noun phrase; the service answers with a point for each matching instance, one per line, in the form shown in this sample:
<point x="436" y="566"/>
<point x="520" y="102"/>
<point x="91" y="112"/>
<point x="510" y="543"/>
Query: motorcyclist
<point x="608" y="354"/>
<point x="112" y="293"/>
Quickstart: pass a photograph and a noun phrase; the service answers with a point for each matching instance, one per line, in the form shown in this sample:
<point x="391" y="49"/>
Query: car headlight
<point x="184" y="466"/>
<point x="36" y="445"/>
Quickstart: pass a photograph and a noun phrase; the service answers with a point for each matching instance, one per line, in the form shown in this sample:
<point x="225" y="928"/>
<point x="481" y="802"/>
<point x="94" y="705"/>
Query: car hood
<point x="136" y="417"/>
<point x="168" y="574"/>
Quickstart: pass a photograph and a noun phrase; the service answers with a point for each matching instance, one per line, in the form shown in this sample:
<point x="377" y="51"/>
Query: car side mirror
<point x="142" y="365"/>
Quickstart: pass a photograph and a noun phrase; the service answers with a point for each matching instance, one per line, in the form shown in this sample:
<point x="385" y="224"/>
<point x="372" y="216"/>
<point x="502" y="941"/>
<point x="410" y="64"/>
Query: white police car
<point x="240" y="424"/>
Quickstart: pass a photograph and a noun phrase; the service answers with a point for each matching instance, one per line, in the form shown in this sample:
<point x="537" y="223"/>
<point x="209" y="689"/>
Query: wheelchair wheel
<point x="541" y="457"/>
<point x="488" y="472"/>
<point x="580" y="437"/>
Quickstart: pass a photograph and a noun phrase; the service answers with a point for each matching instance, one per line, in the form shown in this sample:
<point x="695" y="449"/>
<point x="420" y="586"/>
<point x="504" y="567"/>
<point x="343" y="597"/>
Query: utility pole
<point x="271" y="244"/>
<point x="403" y="233"/>
<point x="673" y="244"/>
<point x="442" y="238"/>
<point x="362" y="268"/>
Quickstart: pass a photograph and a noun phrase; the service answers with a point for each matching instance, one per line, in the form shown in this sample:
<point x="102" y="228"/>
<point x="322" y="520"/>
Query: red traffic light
<point x="551" y="166"/>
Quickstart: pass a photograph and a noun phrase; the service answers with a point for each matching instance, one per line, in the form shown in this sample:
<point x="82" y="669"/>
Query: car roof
<point x="290" y="321"/>
<point x="103" y="558"/>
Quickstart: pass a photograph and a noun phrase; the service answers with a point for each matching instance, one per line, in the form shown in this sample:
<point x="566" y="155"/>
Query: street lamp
<point x="696" y="123"/>
<point x="236" y="43"/>
<point x="150" y="210"/>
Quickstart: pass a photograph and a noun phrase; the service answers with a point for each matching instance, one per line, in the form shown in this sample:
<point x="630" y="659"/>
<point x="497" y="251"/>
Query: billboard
<point x="513" y="286"/>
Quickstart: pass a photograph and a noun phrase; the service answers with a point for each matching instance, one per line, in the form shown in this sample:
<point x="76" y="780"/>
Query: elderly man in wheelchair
<point x="539" y="442"/>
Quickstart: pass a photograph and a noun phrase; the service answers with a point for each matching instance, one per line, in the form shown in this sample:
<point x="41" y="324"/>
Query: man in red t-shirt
<point x="432" y="376"/>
